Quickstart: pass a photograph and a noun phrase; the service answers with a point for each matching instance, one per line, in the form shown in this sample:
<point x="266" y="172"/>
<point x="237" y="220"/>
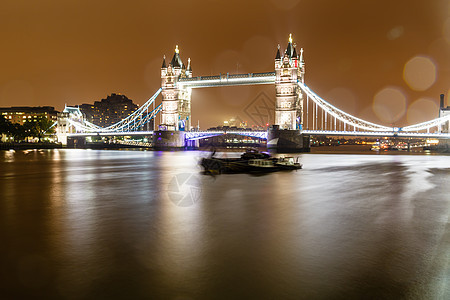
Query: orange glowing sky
<point x="382" y="60"/>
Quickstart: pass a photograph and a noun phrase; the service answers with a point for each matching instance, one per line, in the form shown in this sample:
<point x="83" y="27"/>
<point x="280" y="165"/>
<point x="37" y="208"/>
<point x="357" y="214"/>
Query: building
<point x="108" y="111"/>
<point x="23" y="114"/>
<point x="443" y="112"/>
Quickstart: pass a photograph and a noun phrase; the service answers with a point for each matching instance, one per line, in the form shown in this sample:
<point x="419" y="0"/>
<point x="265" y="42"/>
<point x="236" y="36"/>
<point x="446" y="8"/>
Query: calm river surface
<point x="84" y="224"/>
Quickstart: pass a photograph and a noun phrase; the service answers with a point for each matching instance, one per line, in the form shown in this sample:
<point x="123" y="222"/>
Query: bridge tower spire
<point x="289" y="69"/>
<point x="176" y="100"/>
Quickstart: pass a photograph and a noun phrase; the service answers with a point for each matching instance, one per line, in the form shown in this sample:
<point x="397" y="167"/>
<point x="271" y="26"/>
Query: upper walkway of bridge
<point x="228" y="80"/>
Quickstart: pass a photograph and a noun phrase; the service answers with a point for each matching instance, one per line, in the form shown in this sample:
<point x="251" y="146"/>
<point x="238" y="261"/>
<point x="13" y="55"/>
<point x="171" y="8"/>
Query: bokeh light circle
<point x="395" y="33"/>
<point x="389" y="104"/>
<point x="420" y="73"/>
<point x="446" y="30"/>
<point x="422" y="110"/>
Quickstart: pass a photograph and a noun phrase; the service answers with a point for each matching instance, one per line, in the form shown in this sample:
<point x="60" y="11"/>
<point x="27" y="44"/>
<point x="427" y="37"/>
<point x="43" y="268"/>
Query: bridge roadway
<point x="379" y="134"/>
<point x="196" y="135"/>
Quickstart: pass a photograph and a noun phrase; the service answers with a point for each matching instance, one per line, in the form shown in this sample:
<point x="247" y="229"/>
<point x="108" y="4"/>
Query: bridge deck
<point x="195" y="135"/>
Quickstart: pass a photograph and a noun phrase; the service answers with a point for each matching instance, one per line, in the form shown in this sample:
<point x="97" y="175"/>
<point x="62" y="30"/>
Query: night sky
<point x="382" y="60"/>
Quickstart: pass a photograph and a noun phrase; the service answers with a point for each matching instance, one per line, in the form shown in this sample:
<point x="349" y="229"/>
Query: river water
<point x="84" y="224"/>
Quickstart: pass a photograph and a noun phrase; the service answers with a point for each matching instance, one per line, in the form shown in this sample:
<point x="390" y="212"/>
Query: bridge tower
<point x="286" y="134"/>
<point x="65" y="126"/>
<point x="289" y="69"/>
<point x="176" y="101"/>
<point x="176" y="104"/>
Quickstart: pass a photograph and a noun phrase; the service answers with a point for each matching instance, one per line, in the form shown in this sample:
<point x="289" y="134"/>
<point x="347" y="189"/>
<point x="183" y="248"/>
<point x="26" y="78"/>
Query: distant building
<point x="108" y="111"/>
<point x="23" y="114"/>
<point x="235" y="122"/>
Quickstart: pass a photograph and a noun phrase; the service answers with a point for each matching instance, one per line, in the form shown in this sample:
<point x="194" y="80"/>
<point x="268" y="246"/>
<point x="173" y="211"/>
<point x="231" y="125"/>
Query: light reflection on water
<point x="100" y="224"/>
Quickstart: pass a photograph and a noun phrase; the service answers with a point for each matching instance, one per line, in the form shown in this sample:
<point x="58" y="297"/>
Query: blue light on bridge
<point x="198" y="135"/>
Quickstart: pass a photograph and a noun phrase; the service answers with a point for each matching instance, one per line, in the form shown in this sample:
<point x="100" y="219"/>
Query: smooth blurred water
<point x="83" y="224"/>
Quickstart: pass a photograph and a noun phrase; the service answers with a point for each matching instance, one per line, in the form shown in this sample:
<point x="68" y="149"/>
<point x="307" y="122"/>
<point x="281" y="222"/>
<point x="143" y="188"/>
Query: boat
<point x="250" y="161"/>
<point x="288" y="163"/>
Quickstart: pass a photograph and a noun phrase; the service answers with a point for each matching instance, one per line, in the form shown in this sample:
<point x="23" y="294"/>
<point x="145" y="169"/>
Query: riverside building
<point x="23" y="114"/>
<point x="108" y="111"/>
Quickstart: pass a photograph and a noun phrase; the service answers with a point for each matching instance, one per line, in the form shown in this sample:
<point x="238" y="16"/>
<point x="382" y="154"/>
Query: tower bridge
<point x="299" y="112"/>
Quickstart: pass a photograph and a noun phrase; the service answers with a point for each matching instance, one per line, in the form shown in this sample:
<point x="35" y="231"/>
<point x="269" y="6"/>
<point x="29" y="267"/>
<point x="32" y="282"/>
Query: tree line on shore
<point x="35" y="128"/>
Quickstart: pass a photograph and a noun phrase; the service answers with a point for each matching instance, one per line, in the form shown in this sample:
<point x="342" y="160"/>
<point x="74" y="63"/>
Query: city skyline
<point x="381" y="61"/>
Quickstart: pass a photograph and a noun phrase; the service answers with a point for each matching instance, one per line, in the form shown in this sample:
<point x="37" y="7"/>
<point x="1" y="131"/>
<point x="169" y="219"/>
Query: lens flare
<point x="420" y="73"/>
<point x="446" y="30"/>
<point x="395" y="33"/>
<point x="389" y="104"/>
<point x="421" y="110"/>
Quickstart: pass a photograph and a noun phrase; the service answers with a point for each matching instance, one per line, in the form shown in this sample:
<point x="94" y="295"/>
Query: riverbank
<point x="366" y="149"/>
<point x="25" y="146"/>
<point x="342" y="149"/>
